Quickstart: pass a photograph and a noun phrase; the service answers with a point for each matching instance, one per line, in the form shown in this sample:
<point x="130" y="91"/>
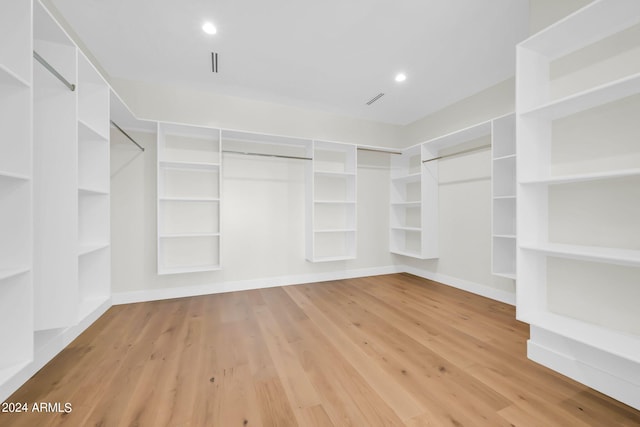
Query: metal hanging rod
<point x="247" y="153"/>
<point x="126" y="134"/>
<point x="470" y="150"/>
<point x="378" y="150"/>
<point x="53" y="71"/>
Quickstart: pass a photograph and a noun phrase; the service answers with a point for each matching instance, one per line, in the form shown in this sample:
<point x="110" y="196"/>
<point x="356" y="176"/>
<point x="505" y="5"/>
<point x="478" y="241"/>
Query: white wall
<point x="263" y="217"/>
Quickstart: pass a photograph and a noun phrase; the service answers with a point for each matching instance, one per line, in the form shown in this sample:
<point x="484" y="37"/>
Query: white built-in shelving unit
<point x="189" y="199"/>
<point x="415" y="187"/>
<point x="16" y="178"/>
<point x="54" y="191"/>
<point x="503" y="196"/>
<point x="94" y="265"/>
<point x="578" y="173"/>
<point x="409" y="227"/>
<point x="56" y="291"/>
<point x="331" y="202"/>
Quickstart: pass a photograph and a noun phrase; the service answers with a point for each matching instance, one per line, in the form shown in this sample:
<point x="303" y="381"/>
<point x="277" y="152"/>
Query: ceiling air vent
<point x="375" y="98"/>
<point x="214" y="62"/>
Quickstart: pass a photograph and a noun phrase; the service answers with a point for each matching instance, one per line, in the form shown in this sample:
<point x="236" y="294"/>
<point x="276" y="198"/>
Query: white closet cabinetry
<point x="409" y="234"/>
<point x="331" y="202"/>
<point x="579" y="196"/>
<point x="94" y="265"/>
<point x="415" y="188"/>
<point x="16" y="308"/>
<point x="56" y="292"/>
<point x="189" y="188"/>
<point x="503" y="182"/>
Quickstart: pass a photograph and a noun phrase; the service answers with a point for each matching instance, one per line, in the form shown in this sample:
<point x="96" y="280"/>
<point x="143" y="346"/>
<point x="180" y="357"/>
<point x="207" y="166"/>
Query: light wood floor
<point x="381" y="351"/>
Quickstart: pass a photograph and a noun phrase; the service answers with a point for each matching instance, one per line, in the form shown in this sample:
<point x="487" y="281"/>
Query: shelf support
<point x="53" y="71"/>
<point x="126" y="134"/>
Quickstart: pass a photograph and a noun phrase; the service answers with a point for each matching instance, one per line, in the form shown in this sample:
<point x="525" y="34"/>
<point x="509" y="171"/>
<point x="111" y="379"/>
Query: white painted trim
<point x="244" y="285"/>
<point x="465" y="285"/>
<point x="43" y="354"/>
<point x="600" y="375"/>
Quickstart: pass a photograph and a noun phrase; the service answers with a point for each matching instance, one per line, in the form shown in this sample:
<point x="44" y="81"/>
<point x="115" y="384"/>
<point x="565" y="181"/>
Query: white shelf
<point x="92" y="192"/>
<point x="510" y="275"/>
<point x="189" y="199"/>
<point x="414" y="204"/>
<point x="412" y="229"/>
<point x="9" y="78"/>
<point x="336" y="174"/>
<point x="509" y="197"/>
<point x="505" y="236"/>
<point x="414" y="177"/>
<point x="16" y="176"/>
<point x="626" y="346"/>
<point x="412" y="254"/>
<point x="585" y="100"/>
<point x="182" y="270"/>
<point x="335" y="230"/>
<point x="188" y="165"/>
<point x="333" y="258"/>
<point x="510" y="156"/>
<point x="8" y="273"/>
<point x="179" y="235"/>
<point x="583" y="177"/>
<point x="587" y="253"/>
<point x="90" y="248"/>
<point x="88" y="132"/>
<point x="335" y="202"/>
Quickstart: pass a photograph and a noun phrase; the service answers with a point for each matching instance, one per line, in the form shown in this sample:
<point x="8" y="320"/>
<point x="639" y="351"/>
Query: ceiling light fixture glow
<point x="209" y="28"/>
<point x="400" y="77"/>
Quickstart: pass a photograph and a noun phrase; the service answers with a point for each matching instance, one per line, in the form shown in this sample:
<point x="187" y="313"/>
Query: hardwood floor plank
<point x="393" y="350"/>
<point x="400" y="400"/>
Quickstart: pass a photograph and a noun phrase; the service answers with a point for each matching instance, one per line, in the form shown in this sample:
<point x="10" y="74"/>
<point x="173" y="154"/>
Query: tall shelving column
<point x="406" y="234"/>
<point x="55" y="137"/>
<point x="503" y="197"/>
<point x="578" y="168"/>
<point x="332" y="200"/>
<point x="16" y="289"/>
<point x="189" y="189"/>
<point x="94" y="269"/>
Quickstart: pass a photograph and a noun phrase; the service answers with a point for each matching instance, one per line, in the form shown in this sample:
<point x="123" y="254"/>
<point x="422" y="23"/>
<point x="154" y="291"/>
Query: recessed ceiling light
<point x="209" y="28"/>
<point x="400" y="77"/>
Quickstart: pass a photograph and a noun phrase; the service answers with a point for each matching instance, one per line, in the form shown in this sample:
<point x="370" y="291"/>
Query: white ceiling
<point x="332" y="55"/>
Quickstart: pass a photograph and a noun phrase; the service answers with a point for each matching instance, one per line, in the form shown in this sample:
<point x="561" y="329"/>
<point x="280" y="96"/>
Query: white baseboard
<point x="465" y="285"/>
<point x="600" y="370"/>
<point x="45" y="351"/>
<point x="244" y="285"/>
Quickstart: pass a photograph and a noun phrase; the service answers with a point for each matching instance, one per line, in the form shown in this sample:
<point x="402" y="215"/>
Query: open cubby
<point x="188" y="254"/>
<point x="189" y="217"/>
